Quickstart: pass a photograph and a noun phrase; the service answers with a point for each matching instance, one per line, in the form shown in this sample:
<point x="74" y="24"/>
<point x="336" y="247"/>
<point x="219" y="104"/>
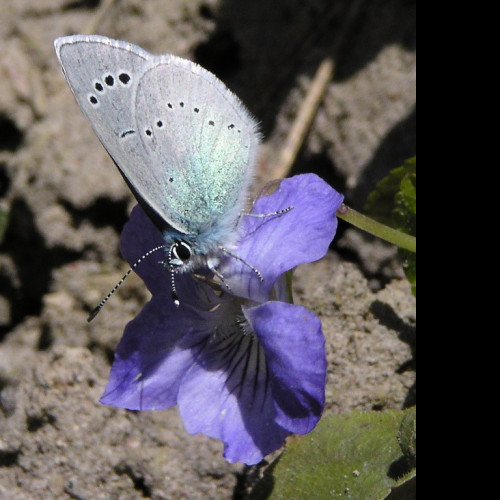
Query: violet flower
<point x="242" y="368"/>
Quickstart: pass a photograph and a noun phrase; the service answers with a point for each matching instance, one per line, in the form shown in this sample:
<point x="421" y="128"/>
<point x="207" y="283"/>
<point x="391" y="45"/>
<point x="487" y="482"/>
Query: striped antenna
<point x="96" y="309"/>
<point x="175" y="297"/>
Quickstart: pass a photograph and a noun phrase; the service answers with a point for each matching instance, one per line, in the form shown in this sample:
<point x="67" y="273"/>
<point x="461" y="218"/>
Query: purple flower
<point x="242" y="368"/>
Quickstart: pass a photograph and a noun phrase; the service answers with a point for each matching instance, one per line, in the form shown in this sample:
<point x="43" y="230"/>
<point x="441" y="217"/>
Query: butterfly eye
<point x="181" y="251"/>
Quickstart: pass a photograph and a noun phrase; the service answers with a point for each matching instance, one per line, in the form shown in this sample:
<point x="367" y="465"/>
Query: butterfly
<point x="185" y="144"/>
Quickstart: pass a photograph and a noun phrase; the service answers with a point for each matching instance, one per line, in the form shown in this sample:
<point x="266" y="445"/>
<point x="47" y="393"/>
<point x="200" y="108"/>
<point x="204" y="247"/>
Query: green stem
<point x="379" y="230"/>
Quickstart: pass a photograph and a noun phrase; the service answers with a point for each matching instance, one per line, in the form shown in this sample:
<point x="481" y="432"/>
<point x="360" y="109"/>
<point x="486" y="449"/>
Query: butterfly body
<point x="185" y="144"/>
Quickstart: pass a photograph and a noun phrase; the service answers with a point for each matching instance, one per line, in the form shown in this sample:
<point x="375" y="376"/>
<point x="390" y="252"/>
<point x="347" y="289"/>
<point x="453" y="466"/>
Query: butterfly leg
<point x="272" y="214"/>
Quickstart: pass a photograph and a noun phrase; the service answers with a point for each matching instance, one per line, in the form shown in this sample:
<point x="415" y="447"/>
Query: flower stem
<point x="379" y="230"/>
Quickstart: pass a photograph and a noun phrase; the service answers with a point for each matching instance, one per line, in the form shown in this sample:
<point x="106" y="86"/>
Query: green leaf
<point x="354" y="456"/>
<point x="394" y="202"/>
<point x="380" y="204"/>
<point x="405" y="217"/>
<point x="405" y="205"/>
<point x="4" y="218"/>
<point x="407" y="437"/>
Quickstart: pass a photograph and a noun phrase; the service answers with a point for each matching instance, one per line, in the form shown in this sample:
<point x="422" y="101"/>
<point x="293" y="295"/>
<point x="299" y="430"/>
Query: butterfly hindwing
<point x="202" y="143"/>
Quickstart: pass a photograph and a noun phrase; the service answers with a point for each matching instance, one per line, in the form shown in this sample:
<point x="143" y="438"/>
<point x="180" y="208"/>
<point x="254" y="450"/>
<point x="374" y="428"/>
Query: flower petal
<point x="139" y="236"/>
<point x="226" y="396"/>
<point x="151" y="358"/>
<point x="276" y="244"/>
<point x="294" y="345"/>
<point x="147" y="369"/>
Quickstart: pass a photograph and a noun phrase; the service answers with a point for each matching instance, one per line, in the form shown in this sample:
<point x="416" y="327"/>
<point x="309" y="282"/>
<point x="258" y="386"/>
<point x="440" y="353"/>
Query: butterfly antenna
<point x="175" y="297"/>
<point x="234" y="256"/>
<point x="96" y="309"/>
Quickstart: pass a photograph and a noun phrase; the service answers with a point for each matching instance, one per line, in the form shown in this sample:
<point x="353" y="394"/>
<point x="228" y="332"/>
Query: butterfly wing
<point x="200" y="138"/>
<point x="184" y="143"/>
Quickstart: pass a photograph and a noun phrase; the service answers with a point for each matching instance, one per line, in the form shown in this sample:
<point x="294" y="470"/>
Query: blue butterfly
<point x="185" y="145"/>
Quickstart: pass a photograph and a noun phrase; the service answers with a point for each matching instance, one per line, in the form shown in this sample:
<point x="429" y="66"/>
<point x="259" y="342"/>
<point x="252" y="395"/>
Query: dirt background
<point x="67" y="204"/>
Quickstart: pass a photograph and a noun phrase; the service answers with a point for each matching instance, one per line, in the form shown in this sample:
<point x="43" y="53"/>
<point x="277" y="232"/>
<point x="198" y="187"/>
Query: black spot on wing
<point x="127" y="132"/>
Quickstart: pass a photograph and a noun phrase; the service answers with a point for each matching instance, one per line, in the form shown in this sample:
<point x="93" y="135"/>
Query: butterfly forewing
<point x="184" y="143"/>
<point x="103" y="75"/>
